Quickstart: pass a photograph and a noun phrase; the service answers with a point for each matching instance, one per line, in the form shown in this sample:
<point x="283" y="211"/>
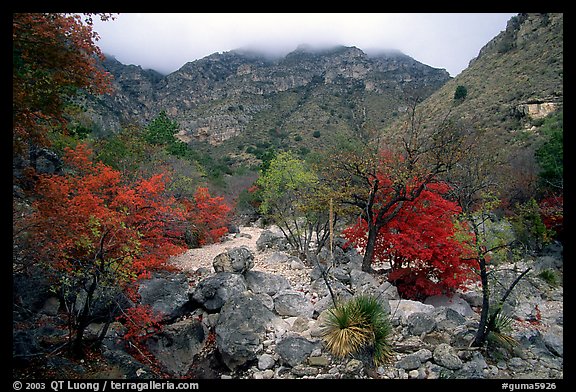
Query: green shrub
<point x="460" y="93"/>
<point x="550" y="277"/>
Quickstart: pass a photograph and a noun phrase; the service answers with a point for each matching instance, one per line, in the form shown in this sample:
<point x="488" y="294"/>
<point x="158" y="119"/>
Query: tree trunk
<point x="83" y="319"/>
<point x="482" y="330"/>
<point x="370" y="245"/>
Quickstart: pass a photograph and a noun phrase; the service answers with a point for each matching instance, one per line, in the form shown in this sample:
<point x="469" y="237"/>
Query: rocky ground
<point x="248" y="309"/>
<point x="431" y="339"/>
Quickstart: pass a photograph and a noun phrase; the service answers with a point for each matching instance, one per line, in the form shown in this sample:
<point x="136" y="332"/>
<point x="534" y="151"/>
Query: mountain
<point x="514" y="82"/>
<point x="512" y="88"/>
<point x="241" y="102"/>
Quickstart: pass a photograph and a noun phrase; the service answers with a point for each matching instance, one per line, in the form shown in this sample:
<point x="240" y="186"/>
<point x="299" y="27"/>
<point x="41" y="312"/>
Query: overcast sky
<point x="165" y="42"/>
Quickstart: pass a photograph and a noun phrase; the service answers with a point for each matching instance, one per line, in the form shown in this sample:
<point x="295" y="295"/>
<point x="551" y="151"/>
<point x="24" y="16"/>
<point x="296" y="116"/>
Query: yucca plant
<point x="357" y="327"/>
<point x="500" y="329"/>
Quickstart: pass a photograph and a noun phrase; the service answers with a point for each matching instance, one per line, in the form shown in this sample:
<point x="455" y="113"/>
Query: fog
<point x="165" y="42"/>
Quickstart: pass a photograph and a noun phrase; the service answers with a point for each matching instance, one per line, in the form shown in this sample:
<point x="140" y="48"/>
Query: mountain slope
<point x="514" y="83"/>
<point x="516" y="78"/>
<point x="240" y="103"/>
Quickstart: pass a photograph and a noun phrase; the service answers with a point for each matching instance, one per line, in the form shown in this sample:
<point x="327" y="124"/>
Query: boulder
<point x="294" y="350"/>
<point x="444" y="355"/>
<point x="271" y="240"/>
<point x="266" y="361"/>
<point x="454" y="302"/>
<point x="177" y="344"/>
<point x="363" y="282"/>
<point x="419" y="323"/>
<point x="30" y="293"/>
<point x="400" y="309"/>
<point x="277" y="257"/>
<point x="236" y="260"/>
<point x="241" y="328"/>
<point x="554" y="340"/>
<point x="265" y="282"/>
<point x="409" y="362"/>
<point x="292" y="303"/>
<point x="214" y="291"/>
<point x="166" y="293"/>
<point x="473" y="297"/>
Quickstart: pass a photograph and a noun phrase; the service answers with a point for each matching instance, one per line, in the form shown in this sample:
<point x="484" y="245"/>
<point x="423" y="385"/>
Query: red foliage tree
<point x="208" y="217"/>
<point x="552" y="212"/>
<point x="419" y="244"/>
<point x="54" y="55"/>
<point x="94" y="232"/>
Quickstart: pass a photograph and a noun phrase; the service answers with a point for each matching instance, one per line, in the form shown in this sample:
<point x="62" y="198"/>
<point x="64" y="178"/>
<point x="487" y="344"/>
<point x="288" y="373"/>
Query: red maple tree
<point x="207" y="216"/>
<point x="419" y="244"/>
<point x="54" y="56"/>
<point x="552" y="212"/>
<point x="95" y="232"/>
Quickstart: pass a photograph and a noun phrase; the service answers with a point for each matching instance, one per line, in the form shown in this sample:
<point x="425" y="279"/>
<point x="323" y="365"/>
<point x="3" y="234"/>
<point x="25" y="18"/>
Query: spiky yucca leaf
<point x="358" y="326"/>
<point x="344" y="330"/>
<point x="500" y="332"/>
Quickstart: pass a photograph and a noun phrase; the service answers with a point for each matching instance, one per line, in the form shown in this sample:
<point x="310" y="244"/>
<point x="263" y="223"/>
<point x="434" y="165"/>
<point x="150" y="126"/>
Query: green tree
<point x="529" y="226"/>
<point x="475" y="188"/>
<point x="161" y="129"/>
<point x="460" y="93"/>
<point x="550" y="154"/>
<point x="291" y="196"/>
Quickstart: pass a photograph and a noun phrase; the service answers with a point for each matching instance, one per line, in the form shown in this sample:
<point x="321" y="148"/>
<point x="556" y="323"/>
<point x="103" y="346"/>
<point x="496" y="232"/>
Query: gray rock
<point x="534" y="341"/>
<point x="319" y="286"/>
<point x="302" y="370"/>
<point x="266" y="361"/>
<point x="30" y="292"/>
<point x="454" y="302"/>
<point x="264" y="375"/>
<point x="409" y="362"/>
<point x="342" y="274"/>
<point x="236" y="260"/>
<point x="293" y="303"/>
<point x="167" y="293"/>
<point x="447" y="319"/>
<point x="548" y="262"/>
<point x="266" y="300"/>
<point x="445" y="356"/>
<point x="321" y="360"/>
<point x="177" y="344"/>
<point x="473" y="297"/>
<point x="241" y="329"/>
<point x="214" y="291"/>
<point x="554" y="340"/>
<point x="326" y="302"/>
<point x="353" y="367"/>
<point x="363" y="282"/>
<point x="424" y="355"/>
<point x="264" y="282"/>
<point x="419" y="323"/>
<point x="294" y="350"/>
<point x="388" y="291"/>
<point x="402" y="308"/>
<point x="51" y="306"/>
<point x="270" y="240"/>
<point x="277" y="257"/>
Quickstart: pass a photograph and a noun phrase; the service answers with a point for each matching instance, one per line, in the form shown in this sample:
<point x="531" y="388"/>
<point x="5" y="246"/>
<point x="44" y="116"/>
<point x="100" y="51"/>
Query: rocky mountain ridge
<point x="248" y="95"/>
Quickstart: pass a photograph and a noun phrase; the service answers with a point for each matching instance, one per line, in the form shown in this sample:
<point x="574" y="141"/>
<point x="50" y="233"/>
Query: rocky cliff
<point x="241" y="97"/>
